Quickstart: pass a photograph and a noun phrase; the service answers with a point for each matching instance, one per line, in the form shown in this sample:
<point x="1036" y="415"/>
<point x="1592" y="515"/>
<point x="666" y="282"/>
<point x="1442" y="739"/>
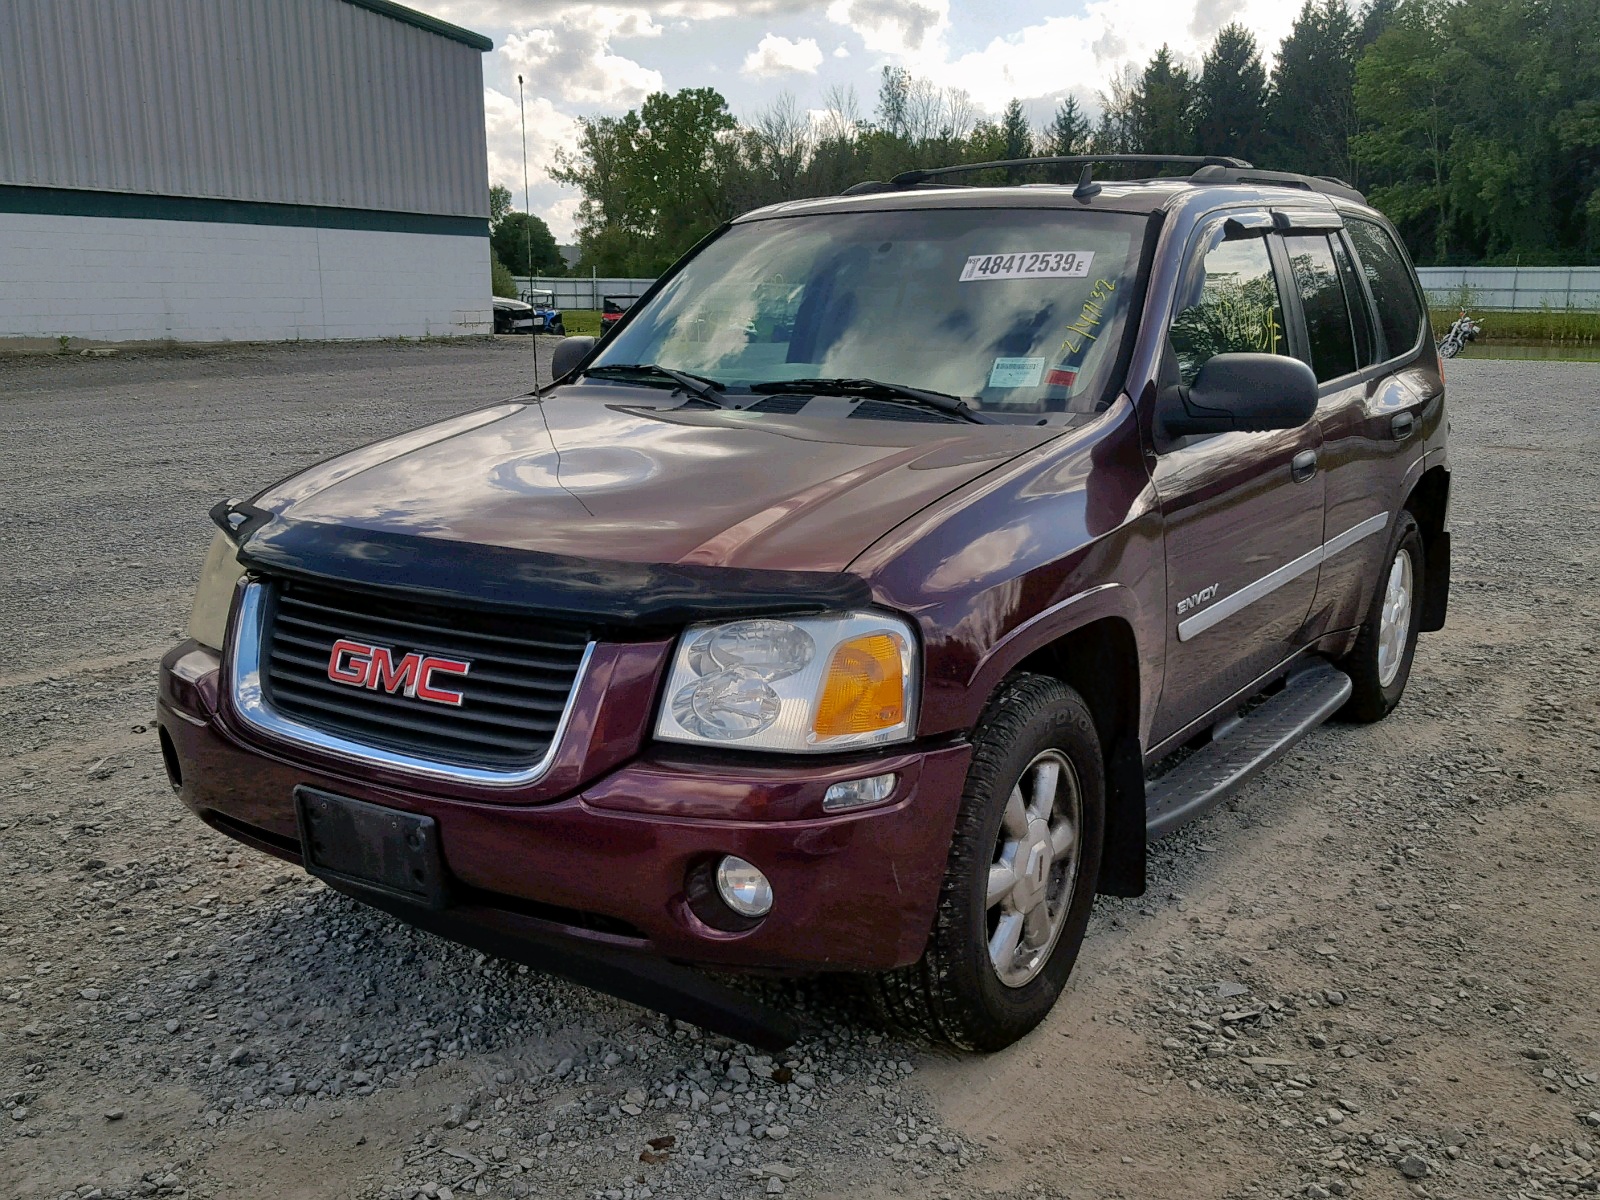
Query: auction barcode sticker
<point x="1041" y="264"/>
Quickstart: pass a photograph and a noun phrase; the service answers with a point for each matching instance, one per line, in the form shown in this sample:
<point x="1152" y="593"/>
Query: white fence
<point x="1513" y="287"/>
<point x="1487" y="287"/>
<point x="583" y="291"/>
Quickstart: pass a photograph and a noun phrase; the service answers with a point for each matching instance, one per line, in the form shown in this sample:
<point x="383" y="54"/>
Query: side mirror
<point x="569" y="352"/>
<point x="1241" y="392"/>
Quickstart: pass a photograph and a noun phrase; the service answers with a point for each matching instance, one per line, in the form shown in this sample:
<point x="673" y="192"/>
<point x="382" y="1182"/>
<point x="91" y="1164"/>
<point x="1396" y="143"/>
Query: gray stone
<point x="1413" y="1166"/>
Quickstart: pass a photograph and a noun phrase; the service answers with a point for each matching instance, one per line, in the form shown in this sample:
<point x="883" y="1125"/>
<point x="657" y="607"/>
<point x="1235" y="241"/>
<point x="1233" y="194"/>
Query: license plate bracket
<point x="369" y="846"/>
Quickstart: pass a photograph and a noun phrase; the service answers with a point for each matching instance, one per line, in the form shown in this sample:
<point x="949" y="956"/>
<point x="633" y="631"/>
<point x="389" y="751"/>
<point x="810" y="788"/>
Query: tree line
<point x="1473" y="124"/>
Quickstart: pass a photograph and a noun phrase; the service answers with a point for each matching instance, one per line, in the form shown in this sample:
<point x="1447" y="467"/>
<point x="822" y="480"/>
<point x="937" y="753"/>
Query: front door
<point x="1243" y="511"/>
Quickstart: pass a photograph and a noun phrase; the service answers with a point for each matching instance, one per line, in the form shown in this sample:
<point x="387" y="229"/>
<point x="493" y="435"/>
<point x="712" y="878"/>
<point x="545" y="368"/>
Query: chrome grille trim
<point x="245" y="666"/>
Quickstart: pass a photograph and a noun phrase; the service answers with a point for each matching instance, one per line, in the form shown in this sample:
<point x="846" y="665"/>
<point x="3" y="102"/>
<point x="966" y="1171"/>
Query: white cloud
<point x="562" y="217"/>
<point x="549" y="132"/>
<point x="1081" y="53"/>
<point x="776" y="55"/>
<point x="905" y="28"/>
<point x="570" y="57"/>
<point x="841" y="51"/>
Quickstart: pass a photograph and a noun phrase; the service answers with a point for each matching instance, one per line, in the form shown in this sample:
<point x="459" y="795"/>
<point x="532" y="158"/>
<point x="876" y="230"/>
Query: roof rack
<point x="1328" y="185"/>
<point x="1209" y="169"/>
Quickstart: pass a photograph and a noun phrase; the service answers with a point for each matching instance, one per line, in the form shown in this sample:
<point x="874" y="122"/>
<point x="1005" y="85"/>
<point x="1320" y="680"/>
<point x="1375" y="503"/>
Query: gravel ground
<point x="1372" y="972"/>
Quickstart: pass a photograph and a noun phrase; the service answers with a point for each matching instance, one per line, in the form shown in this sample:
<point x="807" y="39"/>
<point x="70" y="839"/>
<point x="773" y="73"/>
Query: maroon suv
<point x="864" y="601"/>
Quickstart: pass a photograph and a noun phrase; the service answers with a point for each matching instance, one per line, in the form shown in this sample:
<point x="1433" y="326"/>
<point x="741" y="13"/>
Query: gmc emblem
<point x="357" y="664"/>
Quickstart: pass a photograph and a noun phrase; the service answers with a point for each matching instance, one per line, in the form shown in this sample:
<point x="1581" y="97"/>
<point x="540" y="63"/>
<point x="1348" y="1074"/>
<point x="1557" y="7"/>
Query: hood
<point x="629" y="474"/>
<point x="512" y="305"/>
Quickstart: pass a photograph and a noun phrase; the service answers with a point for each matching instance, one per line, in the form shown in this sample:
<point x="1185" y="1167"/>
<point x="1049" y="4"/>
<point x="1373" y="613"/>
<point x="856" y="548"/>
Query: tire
<point x="1378" y="669"/>
<point x="955" y="993"/>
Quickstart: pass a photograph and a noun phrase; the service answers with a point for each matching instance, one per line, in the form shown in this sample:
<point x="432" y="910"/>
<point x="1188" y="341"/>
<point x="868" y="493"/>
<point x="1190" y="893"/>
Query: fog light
<point x="743" y="887"/>
<point x="858" y="792"/>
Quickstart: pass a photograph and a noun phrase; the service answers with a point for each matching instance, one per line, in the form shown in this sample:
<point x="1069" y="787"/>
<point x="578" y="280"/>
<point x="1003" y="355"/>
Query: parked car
<point x="612" y="308"/>
<point x="513" y="316"/>
<point x="546" y="316"/>
<point x="875" y="633"/>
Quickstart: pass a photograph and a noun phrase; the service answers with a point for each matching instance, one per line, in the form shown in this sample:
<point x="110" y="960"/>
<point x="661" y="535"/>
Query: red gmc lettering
<point x="385" y="673"/>
<point x="348" y="663"/>
<point x="357" y="664"/>
<point x="425" y="687"/>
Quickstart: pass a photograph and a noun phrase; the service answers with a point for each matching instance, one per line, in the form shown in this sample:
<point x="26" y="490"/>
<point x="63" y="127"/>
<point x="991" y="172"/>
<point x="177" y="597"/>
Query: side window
<point x="1236" y="307"/>
<point x="1393" y="289"/>
<point x="1316" y="276"/>
<point x="1360" y="311"/>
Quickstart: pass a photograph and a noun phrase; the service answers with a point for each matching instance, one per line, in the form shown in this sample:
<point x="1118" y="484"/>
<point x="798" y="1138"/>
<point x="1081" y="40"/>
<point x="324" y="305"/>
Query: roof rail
<point x="1328" y="185"/>
<point x="912" y="178"/>
<point x="1210" y="168"/>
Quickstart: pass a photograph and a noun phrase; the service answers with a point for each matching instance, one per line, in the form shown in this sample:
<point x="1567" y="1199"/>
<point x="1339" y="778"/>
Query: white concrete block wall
<point x="112" y="279"/>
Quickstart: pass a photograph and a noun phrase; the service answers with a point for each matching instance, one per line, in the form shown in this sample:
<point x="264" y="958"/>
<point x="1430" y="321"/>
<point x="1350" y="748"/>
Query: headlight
<point x="804" y="685"/>
<point x="208" y="620"/>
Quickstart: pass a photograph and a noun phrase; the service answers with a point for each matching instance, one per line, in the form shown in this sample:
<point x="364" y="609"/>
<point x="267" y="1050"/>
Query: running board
<point x="1255" y="741"/>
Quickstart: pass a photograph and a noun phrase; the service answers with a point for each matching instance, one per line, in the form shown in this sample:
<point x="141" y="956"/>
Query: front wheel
<point x="1021" y="875"/>
<point x="1380" y="663"/>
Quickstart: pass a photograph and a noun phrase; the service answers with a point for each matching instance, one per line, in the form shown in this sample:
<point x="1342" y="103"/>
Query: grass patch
<point x="1537" y="325"/>
<point x="581" y="321"/>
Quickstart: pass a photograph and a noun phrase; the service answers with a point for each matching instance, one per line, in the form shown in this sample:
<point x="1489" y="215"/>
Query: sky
<point x="600" y="59"/>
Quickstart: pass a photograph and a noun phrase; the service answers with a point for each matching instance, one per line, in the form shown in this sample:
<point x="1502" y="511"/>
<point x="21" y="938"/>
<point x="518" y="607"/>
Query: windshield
<point x="1013" y="310"/>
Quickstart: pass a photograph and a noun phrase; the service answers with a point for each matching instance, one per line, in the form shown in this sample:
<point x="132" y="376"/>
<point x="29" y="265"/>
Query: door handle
<point x="1304" y="465"/>
<point x="1402" y="425"/>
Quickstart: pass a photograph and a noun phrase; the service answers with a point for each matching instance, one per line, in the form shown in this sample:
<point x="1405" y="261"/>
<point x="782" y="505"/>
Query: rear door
<point x="1243" y="511"/>
<point x="1363" y="322"/>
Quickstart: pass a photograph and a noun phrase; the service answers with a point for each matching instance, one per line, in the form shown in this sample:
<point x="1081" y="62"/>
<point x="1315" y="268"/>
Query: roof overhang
<point x="409" y="16"/>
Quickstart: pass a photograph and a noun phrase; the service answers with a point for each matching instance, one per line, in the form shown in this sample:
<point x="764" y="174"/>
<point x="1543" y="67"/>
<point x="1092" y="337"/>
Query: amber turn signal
<point x="864" y="688"/>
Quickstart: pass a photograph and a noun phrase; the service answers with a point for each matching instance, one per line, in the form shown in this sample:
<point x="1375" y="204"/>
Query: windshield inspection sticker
<point x="1016" y="372"/>
<point x="1043" y="264"/>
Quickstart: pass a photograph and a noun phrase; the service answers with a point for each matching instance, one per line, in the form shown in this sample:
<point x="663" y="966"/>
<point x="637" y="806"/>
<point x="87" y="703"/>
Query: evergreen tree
<point x="1068" y="132"/>
<point x="1162" y="118"/>
<point x="1376" y="17"/>
<point x="1230" y="107"/>
<point x="1311" y="113"/>
<point x="1016" y="135"/>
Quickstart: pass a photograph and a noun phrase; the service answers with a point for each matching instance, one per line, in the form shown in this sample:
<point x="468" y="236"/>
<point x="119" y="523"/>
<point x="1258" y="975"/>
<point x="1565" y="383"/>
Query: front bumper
<point x="610" y="862"/>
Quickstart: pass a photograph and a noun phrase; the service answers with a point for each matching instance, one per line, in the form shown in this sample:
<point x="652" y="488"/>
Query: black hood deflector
<point x="503" y="579"/>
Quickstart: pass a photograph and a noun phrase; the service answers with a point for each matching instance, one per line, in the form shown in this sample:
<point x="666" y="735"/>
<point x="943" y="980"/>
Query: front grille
<point x="521" y="678"/>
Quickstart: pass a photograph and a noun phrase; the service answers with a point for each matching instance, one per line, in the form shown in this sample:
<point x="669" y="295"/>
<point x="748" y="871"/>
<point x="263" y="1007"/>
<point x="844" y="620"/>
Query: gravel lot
<point x="1373" y="972"/>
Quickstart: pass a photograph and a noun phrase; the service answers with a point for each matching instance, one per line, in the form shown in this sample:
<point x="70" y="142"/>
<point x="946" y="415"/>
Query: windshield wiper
<point x="696" y="385"/>
<point x="878" y="390"/>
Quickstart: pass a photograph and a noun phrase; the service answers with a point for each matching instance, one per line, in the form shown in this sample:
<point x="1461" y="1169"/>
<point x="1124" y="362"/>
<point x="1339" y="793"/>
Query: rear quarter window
<point x="1394" y="290"/>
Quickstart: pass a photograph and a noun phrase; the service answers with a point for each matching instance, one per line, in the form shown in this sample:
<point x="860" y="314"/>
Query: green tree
<point x="1311" y="113"/>
<point x="1162" y="119"/>
<point x="517" y="234"/>
<point x="499" y="203"/>
<point x="1016" y="135"/>
<point x="654" y="180"/>
<point x="501" y="281"/>
<point x="1069" y="130"/>
<point x="1230" y="104"/>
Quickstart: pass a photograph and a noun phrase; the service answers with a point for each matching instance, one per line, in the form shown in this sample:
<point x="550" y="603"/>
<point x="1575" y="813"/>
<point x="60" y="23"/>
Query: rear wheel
<point x="1380" y="663"/>
<point x="1020" y="880"/>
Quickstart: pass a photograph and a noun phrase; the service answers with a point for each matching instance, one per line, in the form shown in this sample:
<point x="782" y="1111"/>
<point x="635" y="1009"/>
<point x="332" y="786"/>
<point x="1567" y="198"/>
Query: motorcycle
<point x="1463" y="330"/>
